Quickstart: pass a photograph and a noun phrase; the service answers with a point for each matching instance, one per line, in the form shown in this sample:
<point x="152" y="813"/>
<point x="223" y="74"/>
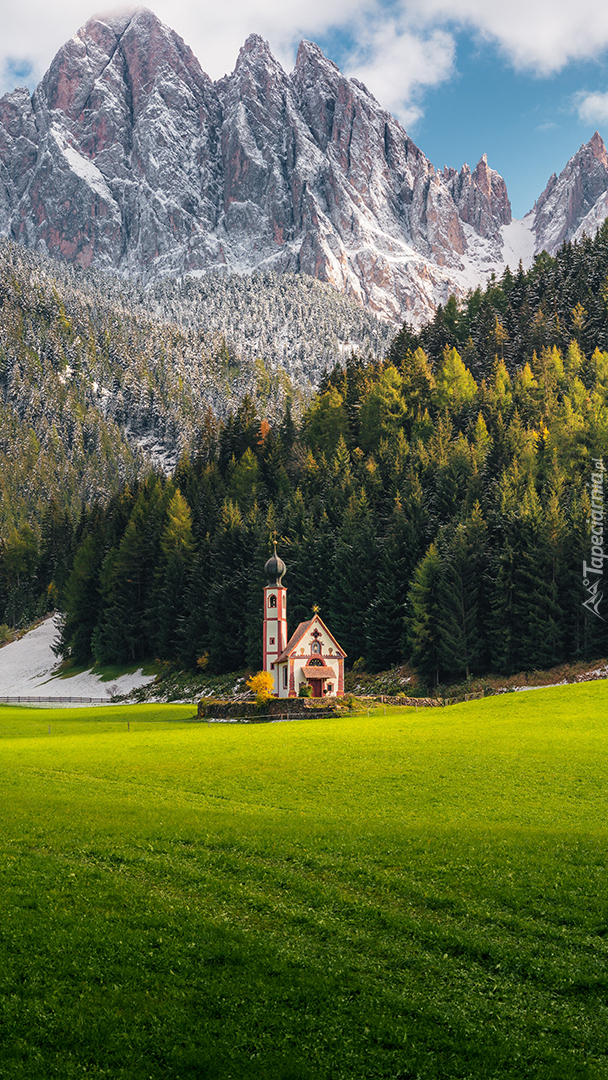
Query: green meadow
<point x="410" y="895"/>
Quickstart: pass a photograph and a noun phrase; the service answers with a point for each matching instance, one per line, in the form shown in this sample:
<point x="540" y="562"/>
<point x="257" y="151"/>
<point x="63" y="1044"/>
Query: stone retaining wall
<point x="248" y="710"/>
<point x="298" y="708"/>
<point x="421" y="702"/>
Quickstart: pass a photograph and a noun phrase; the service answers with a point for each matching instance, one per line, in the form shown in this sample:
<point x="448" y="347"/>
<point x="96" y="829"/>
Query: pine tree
<point x="259" y="531"/>
<point x="19" y="557"/>
<point x="325" y="422"/>
<point x="193" y="631"/>
<point x="122" y="631"/>
<point x="383" y="410"/>
<point x="455" y="384"/>
<point x="352" y="580"/>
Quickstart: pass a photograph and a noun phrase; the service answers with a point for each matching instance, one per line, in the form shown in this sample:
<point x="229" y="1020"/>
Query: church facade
<point x="311" y="656"/>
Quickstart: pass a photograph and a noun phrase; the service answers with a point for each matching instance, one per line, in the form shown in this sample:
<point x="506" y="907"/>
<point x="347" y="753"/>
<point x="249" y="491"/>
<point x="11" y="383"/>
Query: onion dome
<point x="275" y="568"/>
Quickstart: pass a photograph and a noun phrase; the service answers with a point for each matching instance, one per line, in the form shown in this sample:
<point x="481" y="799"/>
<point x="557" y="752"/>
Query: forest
<point x="433" y="501"/>
<point x="101" y="378"/>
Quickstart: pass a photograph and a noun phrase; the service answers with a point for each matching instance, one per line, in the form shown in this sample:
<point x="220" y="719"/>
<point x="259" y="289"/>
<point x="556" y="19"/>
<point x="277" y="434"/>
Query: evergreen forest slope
<point x="101" y="378"/>
<point x="434" y="502"/>
<point x="560" y="299"/>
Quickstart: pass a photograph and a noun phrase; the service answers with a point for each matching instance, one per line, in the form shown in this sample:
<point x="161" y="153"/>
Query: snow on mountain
<point x="128" y="157"/>
<point x="572" y="196"/>
<point x="519" y="242"/>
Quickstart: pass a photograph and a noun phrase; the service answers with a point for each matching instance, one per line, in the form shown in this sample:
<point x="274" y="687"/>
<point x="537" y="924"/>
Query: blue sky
<point x="525" y="82"/>
<point x="528" y="126"/>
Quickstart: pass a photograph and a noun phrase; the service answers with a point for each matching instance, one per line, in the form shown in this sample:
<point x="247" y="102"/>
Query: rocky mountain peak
<point x="254" y="45"/>
<point x="597" y="147"/>
<point x="569" y="198"/>
<point x="257" y="83"/>
<point x="481" y="197"/>
<point x="310" y="59"/>
<point x="128" y="156"/>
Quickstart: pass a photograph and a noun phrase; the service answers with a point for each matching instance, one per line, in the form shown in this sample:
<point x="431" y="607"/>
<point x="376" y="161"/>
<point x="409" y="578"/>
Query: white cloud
<point x="35" y="29"/>
<point x="540" y="36"/>
<point x="591" y="108"/>
<point x="397" y="65"/>
<point x="400" y="47"/>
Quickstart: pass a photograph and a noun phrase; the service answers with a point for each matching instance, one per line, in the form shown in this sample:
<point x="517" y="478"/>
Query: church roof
<point x="294" y="639"/>
<point x="297" y="636"/>
<point x="321" y="671"/>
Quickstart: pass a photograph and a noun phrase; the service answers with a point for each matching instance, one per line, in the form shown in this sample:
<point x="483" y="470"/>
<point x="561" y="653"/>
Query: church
<point x="311" y="656"/>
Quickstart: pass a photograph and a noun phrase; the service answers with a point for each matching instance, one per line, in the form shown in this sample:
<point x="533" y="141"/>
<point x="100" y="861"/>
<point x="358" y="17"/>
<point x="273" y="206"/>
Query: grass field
<point x="416" y="895"/>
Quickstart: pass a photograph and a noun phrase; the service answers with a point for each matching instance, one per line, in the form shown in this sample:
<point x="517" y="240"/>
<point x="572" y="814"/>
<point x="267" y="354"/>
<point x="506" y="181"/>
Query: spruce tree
<point x="463" y="557"/>
<point x="423" y="617"/>
<point x="399" y="554"/>
<point x="168" y="611"/>
<point x="193" y="631"/>
<point x="81" y="601"/>
<point x="228" y="592"/>
<point x="352" y="577"/>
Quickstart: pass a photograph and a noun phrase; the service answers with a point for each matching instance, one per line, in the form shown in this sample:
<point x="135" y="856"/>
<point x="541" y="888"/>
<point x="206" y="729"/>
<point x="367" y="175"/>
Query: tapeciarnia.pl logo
<point x="593" y="570"/>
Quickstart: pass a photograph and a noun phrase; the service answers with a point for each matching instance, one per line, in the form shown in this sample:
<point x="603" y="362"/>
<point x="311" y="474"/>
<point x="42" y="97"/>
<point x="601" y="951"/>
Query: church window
<point x="330" y="687"/>
<point x="272" y="601"/>
<point x="271" y="642"/>
<point x="285" y="677"/>
<point x="316" y="663"/>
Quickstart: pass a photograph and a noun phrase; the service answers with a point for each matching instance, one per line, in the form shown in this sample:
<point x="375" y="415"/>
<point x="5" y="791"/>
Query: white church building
<point x="311" y="656"/>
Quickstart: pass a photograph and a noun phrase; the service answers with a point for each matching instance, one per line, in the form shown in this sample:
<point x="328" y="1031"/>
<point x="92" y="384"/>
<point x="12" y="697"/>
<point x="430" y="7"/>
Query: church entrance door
<point x="317" y="687"/>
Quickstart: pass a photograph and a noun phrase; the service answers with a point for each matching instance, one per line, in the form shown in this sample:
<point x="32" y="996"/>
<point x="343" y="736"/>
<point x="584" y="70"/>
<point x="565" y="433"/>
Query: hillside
<point x="561" y="299"/>
<point x="410" y="894"/>
<point x="291" y="322"/>
<point x="438" y="513"/>
<point x="101" y="378"/>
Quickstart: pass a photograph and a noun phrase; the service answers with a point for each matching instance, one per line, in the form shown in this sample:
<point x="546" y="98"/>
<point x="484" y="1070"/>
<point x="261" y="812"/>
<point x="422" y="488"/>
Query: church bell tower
<point x="275" y="616"/>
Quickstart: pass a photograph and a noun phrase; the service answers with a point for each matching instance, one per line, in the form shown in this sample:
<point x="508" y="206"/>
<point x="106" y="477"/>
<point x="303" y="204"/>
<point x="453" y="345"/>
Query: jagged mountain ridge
<point x="128" y="157"/>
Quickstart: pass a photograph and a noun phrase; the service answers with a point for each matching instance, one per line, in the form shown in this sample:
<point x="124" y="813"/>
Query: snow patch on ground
<point x="27" y="667"/>
<point x="545" y="686"/>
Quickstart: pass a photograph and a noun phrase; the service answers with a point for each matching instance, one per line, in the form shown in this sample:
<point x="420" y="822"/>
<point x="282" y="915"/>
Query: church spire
<point x="275" y="614"/>
<point x="275" y="567"/>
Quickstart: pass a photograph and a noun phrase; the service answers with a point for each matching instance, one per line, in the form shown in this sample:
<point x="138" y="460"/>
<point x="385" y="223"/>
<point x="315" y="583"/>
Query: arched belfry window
<point x="272" y="601"/>
<point x="315" y="647"/>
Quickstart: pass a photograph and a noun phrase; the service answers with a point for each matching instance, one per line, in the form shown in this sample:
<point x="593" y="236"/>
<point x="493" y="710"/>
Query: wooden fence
<point x="21" y="699"/>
